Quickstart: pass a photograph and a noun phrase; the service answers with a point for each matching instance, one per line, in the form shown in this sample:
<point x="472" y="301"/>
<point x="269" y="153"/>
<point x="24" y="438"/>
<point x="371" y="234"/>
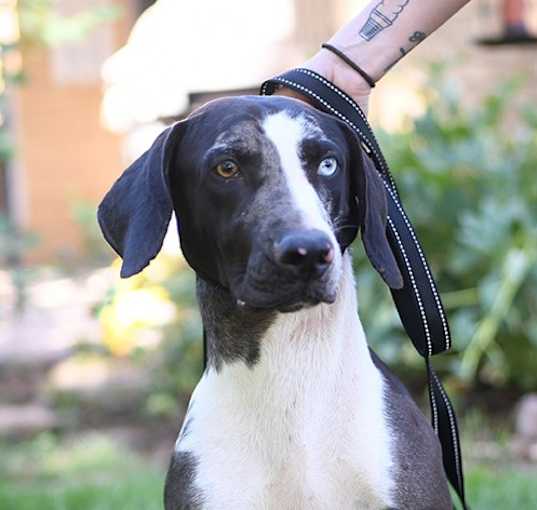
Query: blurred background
<point x="95" y="372"/>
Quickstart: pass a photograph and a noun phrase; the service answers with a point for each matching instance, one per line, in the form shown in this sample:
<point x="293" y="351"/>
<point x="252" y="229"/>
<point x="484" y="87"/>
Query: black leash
<point x="418" y="302"/>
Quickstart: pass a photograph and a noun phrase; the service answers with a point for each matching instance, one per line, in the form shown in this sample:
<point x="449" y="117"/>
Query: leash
<point x="418" y="302"/>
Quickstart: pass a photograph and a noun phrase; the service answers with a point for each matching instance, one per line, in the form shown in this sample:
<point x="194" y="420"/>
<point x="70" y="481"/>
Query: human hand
<point x="340" y="74"/>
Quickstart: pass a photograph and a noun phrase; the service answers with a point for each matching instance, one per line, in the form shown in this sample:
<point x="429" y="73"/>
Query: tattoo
<point x="415" y="38"/>
<point x="382" y="16"/>
<point x="403" y="53"/>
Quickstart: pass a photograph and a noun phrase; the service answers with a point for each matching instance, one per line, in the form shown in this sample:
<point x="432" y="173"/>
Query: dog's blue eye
<point x="327" y="167"/>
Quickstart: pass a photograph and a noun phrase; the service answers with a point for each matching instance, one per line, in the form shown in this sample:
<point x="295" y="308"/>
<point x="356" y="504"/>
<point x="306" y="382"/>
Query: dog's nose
<point x="307" y="250"/>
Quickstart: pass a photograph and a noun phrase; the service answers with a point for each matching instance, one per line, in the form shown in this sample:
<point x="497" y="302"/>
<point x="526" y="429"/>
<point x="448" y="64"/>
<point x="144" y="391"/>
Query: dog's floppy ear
<point x="135" y="214"/>
<point x="374" y="211"/>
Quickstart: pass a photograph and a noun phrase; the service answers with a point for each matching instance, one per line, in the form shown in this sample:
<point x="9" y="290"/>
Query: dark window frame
<point x="144" y="4"/>
<point x="4" y="191"/>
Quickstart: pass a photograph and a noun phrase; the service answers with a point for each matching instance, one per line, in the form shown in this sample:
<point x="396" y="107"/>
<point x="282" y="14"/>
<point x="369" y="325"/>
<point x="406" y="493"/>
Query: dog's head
<point x="268" y="193"/>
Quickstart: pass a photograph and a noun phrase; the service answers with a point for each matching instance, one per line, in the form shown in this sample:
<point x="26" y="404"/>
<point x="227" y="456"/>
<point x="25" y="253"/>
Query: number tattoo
<point x="415" y="38"/>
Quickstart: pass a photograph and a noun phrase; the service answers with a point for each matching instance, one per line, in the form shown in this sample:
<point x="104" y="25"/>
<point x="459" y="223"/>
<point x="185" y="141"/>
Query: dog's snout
<point x="307" y="250"/>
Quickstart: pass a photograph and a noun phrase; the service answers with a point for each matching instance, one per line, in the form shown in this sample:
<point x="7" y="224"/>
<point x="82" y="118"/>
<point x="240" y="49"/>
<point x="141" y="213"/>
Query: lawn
<point x="89" y="473"/>
<point x="506" y="488"/>
<point x="92" y="473"/>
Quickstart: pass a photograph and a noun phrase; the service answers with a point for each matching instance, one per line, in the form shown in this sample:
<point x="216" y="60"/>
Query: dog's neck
<point x="294" y="406"/>
<point x="312" y="343"/>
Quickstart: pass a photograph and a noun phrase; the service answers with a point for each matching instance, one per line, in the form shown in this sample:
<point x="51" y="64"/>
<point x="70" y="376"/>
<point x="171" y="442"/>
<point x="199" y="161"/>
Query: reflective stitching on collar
<point x="447" y="336"/>
<point x="452" y="428"/>
<point x="415" y="287"/>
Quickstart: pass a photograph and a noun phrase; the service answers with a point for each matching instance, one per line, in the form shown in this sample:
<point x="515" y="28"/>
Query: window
<point x="144" y="4"/>
<point x="80" y="62"/>
<point x="3" y="189"/>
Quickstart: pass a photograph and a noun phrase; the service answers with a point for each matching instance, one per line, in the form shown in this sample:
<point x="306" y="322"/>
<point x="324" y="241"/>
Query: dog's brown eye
<point x="227" y="169"/>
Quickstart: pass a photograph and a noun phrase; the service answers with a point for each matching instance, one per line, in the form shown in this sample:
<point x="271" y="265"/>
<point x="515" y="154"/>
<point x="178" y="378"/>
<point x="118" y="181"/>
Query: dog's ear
<point x="135" y="214"/>
<point x="373" y="208"/>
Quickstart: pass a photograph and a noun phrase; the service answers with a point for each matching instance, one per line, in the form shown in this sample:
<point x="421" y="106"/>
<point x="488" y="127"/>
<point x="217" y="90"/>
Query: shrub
<point x="467" y="179"/>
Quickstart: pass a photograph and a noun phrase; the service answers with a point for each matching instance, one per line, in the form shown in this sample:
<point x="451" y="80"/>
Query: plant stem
<point x="516" y="265"/>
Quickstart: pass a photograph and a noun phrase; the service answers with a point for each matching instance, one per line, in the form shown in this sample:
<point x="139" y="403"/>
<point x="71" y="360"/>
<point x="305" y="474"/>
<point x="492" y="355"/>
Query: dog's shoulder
<point x="180" y="492"/>
<point x="419" y="474"/>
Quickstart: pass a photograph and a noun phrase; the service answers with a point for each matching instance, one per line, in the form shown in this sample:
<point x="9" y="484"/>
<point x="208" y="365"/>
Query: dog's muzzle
<point x="308" y="253"/>
<point x="296" y="270"/>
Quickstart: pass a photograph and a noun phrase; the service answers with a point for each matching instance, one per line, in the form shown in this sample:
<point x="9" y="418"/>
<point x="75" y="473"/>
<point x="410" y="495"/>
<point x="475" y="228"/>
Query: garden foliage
<point x="467" y="176"/>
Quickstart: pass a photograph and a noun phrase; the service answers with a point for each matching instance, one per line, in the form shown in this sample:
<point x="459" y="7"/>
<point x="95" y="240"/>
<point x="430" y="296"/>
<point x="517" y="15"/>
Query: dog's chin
<point x="287" y="302"/>
<point x="265" y="287"/>
<point x="299" y="305"/>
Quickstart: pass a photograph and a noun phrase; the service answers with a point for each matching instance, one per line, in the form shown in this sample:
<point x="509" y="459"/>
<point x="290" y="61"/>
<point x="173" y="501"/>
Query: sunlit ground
<point x="93" y="472"/>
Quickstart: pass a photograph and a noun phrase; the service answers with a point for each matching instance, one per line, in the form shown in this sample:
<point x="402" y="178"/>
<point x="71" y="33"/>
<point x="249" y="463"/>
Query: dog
<point x="293" y="410"/>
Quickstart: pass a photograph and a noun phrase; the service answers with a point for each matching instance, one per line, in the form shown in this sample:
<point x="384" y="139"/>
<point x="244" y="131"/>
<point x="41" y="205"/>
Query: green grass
<point x="92" y="473"/>
<point x="501" y="488"/>
<point x="123" y="492"/>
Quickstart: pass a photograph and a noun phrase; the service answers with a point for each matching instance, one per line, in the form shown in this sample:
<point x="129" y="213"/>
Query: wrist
<point x="342" y="75"/>
<point x="373" y="57"/>
<point x="346" y="60"/>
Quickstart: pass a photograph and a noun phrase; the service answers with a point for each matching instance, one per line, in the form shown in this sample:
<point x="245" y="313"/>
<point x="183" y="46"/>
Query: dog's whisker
<point x="343" y="227"/>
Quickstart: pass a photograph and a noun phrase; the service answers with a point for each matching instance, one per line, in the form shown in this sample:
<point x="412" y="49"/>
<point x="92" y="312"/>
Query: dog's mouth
<point x="308" y="303"/>
<point x="266" y="287"/>
<point x="288" y="303"/>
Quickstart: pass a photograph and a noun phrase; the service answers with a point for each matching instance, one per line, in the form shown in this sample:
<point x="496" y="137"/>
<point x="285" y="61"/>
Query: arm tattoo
<point x="403" y="53"/>
<point x="382" y="16"/>
<point x="415" y="39"/>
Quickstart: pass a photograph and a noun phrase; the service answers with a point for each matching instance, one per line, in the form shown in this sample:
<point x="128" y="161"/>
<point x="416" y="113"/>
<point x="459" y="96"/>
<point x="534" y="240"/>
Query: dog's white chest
<point x="302" y="429"/>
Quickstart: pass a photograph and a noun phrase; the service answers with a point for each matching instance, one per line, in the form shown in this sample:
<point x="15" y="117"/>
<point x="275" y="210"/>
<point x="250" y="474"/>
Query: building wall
<point x="64" y="153"/>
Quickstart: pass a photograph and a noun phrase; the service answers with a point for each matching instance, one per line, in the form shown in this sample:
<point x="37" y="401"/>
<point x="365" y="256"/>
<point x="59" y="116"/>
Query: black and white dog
<point x="293" y="410"/>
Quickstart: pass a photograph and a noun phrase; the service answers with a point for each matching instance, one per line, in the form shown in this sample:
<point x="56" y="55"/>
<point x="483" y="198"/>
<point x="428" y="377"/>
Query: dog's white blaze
<point x="304" y="428"/>
<point x="286" y="133"/>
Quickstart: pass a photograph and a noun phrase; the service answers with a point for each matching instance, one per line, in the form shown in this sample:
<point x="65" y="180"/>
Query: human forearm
<point x="377" y="38"/>
<point x="385" y="31"/>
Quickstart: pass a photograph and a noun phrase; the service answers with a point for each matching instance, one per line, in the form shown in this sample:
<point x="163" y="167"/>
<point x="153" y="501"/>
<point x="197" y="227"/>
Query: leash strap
<point x="418" y="302"/>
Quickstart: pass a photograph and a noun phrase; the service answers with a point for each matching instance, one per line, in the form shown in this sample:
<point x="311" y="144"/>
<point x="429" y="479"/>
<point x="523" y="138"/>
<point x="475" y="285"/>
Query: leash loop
<point x="418" y="302"/>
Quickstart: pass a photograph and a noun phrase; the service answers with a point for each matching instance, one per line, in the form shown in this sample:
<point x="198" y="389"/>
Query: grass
<point x="92" y="473"/>
<point x="501" y="488"/>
